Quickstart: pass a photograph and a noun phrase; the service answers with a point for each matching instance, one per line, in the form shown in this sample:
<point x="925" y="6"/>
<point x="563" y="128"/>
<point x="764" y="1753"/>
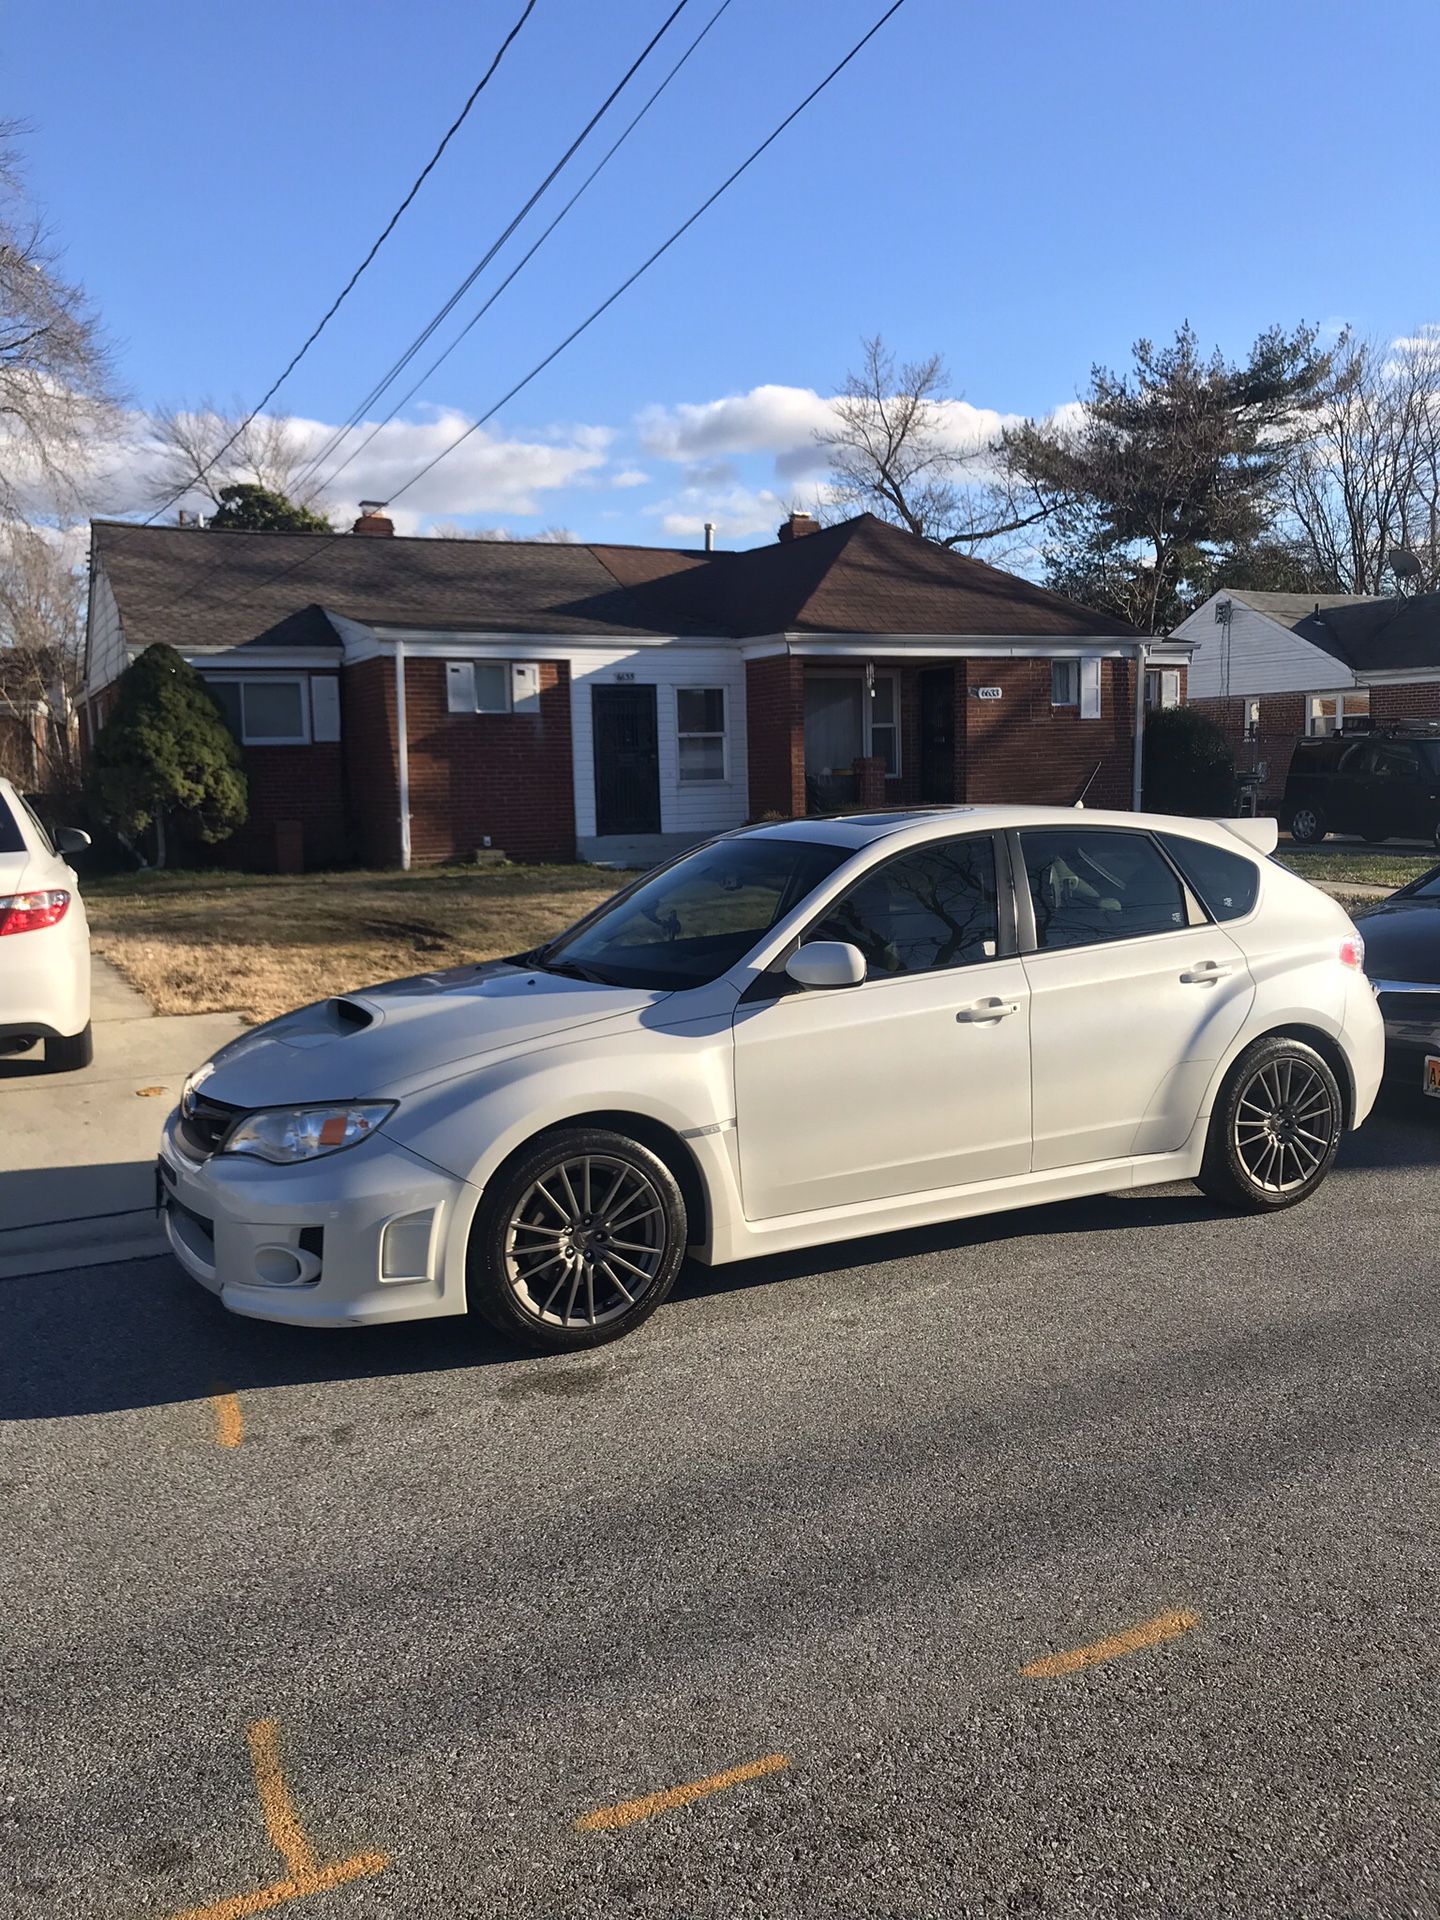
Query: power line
<point x="524" y="259"/>
<point x="646" y="265"/>
<point x="335" y="304"/>
<point x="311" y="542"/>
<point x="338" y="438"/>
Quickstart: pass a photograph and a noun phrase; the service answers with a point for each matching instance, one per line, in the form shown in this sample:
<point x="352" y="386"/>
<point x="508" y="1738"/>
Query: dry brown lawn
<point x="260" y="944"/>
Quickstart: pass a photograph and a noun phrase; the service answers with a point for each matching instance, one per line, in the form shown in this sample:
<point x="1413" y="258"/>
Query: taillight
<point x="1352" y="950"/>
<point x="25" y="912"/>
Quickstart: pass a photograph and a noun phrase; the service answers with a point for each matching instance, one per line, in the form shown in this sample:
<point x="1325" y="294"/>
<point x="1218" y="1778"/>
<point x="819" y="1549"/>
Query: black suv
<point x="1384" y="785"/>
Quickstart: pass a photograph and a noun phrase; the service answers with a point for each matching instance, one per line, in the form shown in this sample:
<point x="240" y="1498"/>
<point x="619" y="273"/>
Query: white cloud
<point x="736" y="512"/>
<point x="629" y="477"/>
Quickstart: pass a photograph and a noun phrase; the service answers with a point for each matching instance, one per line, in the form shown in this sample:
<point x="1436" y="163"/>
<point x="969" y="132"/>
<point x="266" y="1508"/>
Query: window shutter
<point x="460" y="686"/>
<point x="1170" y="688"/>
<point x="324" y="707"/>
<point x="1090" y="689"/>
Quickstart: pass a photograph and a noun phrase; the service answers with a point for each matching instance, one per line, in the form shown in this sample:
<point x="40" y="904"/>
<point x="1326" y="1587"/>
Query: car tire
<point x="1275" y="1129"/>
<point x="546" y="1263"/>
<point x="64" y="1053"/>
<point x="1307" y="826"/>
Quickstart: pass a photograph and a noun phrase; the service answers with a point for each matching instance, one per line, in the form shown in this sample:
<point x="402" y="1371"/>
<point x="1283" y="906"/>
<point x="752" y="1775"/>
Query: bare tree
<point x="1367" y="480"/>
<point x="894" y="451"/>
<point x="57" y="397"/>
<point x="42" y="599"/>
<point x="192" y="455"/>
<point x="554" y="536"/>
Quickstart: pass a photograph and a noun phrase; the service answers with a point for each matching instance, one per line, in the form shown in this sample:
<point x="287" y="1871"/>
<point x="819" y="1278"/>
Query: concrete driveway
<point x="77" y="1149"/>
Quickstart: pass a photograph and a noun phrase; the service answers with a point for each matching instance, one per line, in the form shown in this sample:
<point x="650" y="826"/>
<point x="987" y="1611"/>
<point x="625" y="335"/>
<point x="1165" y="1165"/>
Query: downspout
<point x="1137" y="773"/>
<point x="402" y="756"/>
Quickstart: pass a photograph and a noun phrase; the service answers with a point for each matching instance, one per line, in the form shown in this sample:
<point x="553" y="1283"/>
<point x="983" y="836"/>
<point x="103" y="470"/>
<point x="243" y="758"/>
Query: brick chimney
<point x="798" y="525"/>
<point x="372" y="521"/>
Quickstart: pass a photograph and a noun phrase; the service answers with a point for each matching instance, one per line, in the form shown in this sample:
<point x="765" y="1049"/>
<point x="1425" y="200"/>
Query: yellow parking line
<point x="229" y="1421"/>
<point x="606" y="1818"/>
<point x="287" y="1836"/>
<point x="1150" y="1633"/>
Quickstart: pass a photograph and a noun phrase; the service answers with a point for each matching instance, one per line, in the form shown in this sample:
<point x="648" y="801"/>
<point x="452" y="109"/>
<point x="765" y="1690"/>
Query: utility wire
<point x="338" y="438"/>
<point x="311" y="542"/>
<point x="335" y="304"/>
<point x="646" y="265"/>
<point x="524" y="259"/>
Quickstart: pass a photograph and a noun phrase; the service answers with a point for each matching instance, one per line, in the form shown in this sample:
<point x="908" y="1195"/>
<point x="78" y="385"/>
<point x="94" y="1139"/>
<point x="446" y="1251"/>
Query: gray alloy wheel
<point x="585" y="1242"/>
<point x="1306" y="826"/>
<point x="577" y="1241"/>
<point x="1275" y="1129"/>
<point x="1284" y="1121"/>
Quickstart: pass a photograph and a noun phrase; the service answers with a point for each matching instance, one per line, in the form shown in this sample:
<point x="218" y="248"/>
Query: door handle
<point x="988" y="1010"/>
<point x="1207" y="973"/>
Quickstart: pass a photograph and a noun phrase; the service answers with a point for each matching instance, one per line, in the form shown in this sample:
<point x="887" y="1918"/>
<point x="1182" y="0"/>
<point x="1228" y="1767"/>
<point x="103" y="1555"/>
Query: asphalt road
<point x="820" y="1512"/>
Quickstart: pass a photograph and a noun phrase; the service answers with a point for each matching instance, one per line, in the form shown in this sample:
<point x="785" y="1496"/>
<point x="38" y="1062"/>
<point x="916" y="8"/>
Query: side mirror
<point x="826" y="963"/>
<point x="71" y="840"/>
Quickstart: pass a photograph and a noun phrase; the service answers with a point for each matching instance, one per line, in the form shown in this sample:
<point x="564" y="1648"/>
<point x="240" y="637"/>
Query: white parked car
<point x="791" y="1035"/>
<point x="44" y="938"/>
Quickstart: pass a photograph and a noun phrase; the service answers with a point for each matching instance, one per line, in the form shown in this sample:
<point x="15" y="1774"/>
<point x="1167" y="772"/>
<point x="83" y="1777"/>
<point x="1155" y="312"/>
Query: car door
<point x="1396" y="805"/>
<point x="1134" y="995"/>
<point x="916" y="1079"/>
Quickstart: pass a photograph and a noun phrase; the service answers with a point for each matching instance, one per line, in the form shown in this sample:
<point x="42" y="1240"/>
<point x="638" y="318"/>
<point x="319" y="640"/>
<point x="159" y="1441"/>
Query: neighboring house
<point x="1273" y="666"/>
<point x="417" y="699"/>
<point x="36" y="723"/>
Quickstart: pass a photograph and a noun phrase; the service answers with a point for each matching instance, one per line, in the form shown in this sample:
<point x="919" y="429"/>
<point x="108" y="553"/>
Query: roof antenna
<point x="1079" y="800"/>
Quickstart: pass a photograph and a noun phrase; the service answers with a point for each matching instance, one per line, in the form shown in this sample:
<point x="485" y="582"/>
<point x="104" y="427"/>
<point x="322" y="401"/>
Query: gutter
<point x="402" y="756"/>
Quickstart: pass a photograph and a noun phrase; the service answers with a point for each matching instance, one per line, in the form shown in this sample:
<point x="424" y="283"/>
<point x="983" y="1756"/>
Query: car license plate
<point x="1431" y="1082"/>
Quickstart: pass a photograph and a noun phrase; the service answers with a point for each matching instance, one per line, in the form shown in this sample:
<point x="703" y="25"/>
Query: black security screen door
<point x="627" y="760"/>
<point x="937" y="735"/>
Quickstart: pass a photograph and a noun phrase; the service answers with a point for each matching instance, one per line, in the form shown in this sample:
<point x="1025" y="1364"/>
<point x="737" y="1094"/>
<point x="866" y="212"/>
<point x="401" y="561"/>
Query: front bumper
<point x="357" y="1238"/>
<point x="1412" y="1030"/>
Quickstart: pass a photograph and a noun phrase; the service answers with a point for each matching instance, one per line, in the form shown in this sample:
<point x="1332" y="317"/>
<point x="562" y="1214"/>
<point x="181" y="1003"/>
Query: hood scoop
<point x="327" y="1020"/>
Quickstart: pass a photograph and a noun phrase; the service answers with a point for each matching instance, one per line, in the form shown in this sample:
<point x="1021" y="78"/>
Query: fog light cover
<point x="405" y="1246"/>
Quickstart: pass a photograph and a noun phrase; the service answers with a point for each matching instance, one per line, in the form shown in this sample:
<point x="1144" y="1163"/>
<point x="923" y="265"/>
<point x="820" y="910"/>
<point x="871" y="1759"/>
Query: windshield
<point x="693" y="920"/>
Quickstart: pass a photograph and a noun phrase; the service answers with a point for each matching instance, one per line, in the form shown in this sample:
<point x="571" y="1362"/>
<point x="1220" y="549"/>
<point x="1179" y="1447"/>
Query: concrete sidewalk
<point x="77" y="1149"/>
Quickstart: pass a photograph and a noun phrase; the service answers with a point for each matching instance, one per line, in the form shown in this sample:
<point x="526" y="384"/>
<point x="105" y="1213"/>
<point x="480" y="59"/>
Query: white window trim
<point x="1360" y="698"/>
<point x="475" y="707"/>
<point x="1157" y="689"/>
<point x="683" y="779"/>
<point x="868" y="728"/>
<point x="248" y="739"/>
<point x="1072" y="675"/>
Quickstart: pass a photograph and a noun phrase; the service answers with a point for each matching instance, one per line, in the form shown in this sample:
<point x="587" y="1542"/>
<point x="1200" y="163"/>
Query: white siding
<point x="699" y="808"/>
<point x="1254" y="655"/>
<point x="105" y="643"/>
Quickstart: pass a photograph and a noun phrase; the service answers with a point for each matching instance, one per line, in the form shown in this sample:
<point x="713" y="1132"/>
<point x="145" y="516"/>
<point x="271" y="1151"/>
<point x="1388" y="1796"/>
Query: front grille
<point x="206" y="1123"/>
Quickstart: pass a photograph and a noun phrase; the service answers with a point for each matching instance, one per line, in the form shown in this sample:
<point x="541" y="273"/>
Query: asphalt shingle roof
<point x="1378" y="636"/>
<point x="193" y="588"/>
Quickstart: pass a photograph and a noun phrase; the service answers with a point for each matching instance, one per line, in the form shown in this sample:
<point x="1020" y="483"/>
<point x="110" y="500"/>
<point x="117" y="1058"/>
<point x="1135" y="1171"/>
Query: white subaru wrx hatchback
<point x="790" y="1035"/>
<point x="44" y="938"/>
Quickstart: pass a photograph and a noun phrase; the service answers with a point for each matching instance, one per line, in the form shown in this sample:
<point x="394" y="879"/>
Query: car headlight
<point x="283" y="1134"/>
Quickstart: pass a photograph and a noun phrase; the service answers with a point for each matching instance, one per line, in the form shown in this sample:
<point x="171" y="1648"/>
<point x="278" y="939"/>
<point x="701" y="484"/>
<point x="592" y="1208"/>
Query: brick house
<point x="416" y="699"/>
<point x="1271" y="667"/>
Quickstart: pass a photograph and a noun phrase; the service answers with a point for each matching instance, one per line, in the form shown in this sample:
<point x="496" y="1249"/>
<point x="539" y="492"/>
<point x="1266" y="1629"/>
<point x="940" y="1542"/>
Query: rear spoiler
<point x="1262" y="835"/>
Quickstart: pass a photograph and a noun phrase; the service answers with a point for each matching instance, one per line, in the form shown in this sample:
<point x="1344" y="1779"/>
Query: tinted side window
<point x="10" y="837"/>
<point x="924" y="910"/>
<point x="1089" y="886"/>
<point x="1226" y="882"/>
<point x="1397" y="763"/>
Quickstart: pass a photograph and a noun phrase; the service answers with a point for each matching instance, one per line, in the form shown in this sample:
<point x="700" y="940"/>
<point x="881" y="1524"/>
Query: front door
<point x="937" y="736"/>
<point x="834" y="739"/>
<point x="919" y="1078"/>
<point x="1131" y="1006"/>
<point x="627" y="760"/>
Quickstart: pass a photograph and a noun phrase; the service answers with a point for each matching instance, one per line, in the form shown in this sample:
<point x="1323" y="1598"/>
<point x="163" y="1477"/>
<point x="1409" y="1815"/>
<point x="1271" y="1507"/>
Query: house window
<point x="1252" y="719"/>
<point x="1327" y="713"/>
<point x="272" y="712"/>
<point x="1162" y="687"/>
<point x="700" y="727"/>
<point x="1064" y="683"/>
<point x="885" y="723"/>
<point x="477" y="686"/>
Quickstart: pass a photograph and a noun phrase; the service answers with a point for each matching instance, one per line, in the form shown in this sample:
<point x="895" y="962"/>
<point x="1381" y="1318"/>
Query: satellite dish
<point x="1403" y="562"/>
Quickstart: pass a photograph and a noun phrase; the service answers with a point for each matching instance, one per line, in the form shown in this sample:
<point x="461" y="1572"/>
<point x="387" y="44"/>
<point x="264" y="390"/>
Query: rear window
<point x="1226" y="883"/>
<point x="11" y="838"/>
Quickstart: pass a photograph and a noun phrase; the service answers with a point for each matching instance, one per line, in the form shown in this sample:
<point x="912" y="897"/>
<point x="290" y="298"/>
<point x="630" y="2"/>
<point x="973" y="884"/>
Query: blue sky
<point x="1026" y="188"/>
